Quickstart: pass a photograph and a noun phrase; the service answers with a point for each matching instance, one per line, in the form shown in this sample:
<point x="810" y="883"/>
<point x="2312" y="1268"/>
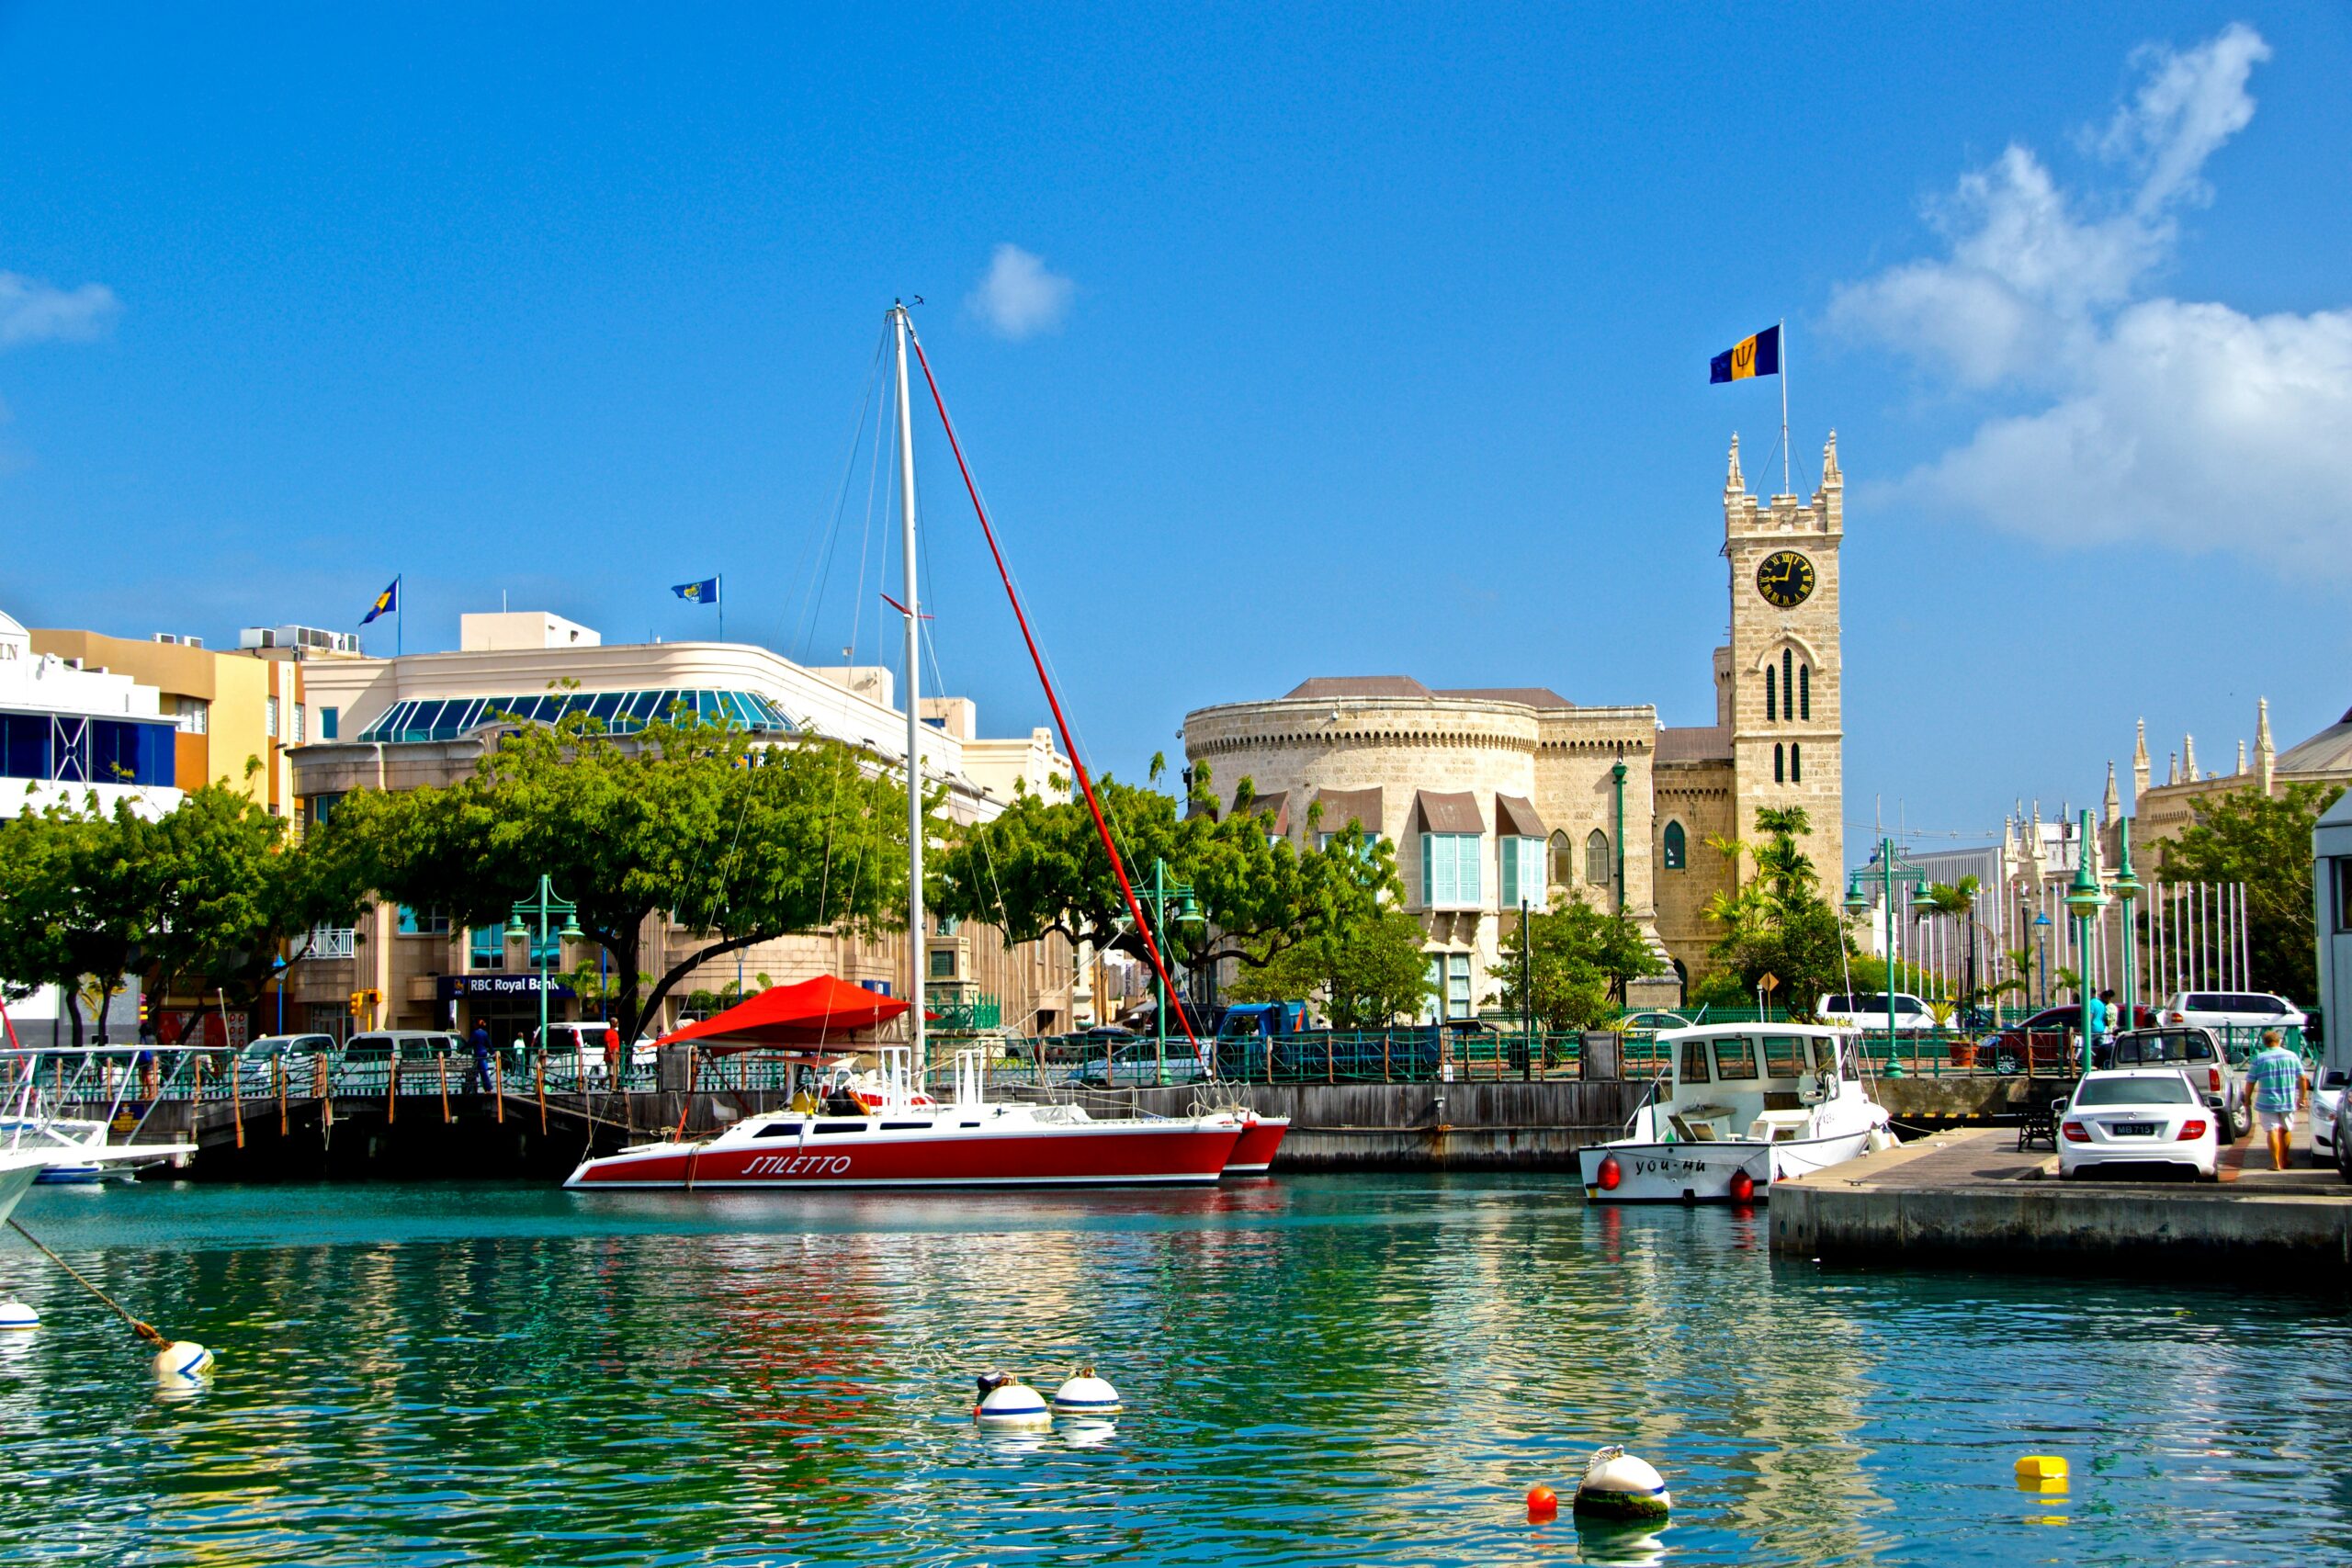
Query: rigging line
<point x="813" y="591"/>
<point x="1077" y="762"/>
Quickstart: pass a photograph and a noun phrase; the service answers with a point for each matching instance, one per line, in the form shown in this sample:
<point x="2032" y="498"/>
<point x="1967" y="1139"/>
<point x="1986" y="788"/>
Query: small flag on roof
<point x="703" y="592"/>
<point x="1757" y="356"/>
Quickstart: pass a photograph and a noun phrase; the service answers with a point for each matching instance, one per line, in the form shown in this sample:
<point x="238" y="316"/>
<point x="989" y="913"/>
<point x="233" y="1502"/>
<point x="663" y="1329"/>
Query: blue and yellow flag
<point x="703" y="592"/>
<point x="385" y="603"/>
<point x="1758" y="355"/>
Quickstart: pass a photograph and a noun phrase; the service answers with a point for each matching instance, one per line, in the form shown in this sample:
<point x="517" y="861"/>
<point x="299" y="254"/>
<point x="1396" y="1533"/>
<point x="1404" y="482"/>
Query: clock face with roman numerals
<point x="1785" y="578"/>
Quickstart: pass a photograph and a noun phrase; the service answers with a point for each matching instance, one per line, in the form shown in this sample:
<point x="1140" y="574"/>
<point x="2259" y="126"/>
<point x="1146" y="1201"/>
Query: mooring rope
<point x="146" y="1331"/>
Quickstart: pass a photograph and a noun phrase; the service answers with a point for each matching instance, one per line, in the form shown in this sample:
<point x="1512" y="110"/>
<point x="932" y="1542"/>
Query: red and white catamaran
<point x="882" y="1130"/>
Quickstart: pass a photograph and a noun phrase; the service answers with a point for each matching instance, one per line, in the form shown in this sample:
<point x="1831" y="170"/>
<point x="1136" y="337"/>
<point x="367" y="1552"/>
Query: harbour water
<point x="1318" y="1371"/>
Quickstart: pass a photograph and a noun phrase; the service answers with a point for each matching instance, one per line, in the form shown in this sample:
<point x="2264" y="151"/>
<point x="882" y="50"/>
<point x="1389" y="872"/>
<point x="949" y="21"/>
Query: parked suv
<point x="2240" y="1010"/>
<point x="257" y="1062"/>
<point x="2199" y="1054"/>
<point x="1867" y="1010"/>
<point x="398" y="1044"/>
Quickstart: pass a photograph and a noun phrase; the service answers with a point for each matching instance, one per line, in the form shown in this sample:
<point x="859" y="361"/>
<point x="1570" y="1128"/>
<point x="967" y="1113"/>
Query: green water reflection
<point x="1316" y="1370"/>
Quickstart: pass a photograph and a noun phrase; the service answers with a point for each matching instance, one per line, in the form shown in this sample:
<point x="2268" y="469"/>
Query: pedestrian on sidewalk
<point x="2103" y="1023"/>
<point x="2275" y="1082"/>
<point x="478" y="1078"/>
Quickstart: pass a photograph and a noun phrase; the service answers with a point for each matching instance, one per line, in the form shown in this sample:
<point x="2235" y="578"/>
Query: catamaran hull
<point x="1155" y="1154"/>
<point x="1704" y="1172"/>
<point x="16" y="1178"/>
<point x="1253" y="1152"/>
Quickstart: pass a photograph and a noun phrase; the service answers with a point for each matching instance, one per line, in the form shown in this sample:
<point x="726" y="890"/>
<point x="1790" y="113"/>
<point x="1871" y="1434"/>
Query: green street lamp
<point x="1892" y="871"/>
<point x="2128" y="887"/>
<point x="1157" y="898"/>
<point x="2041" y="930"/>
<point x="543" y="906"/>
<point x="2086" y="900"/>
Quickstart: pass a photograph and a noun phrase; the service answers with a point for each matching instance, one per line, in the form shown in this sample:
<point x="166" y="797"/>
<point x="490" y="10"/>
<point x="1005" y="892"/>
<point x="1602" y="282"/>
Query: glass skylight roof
<point x="622" y="712"/>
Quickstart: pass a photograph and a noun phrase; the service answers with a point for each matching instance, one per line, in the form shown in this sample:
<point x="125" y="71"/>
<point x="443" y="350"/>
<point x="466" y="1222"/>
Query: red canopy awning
<point x="814" y="1012"/>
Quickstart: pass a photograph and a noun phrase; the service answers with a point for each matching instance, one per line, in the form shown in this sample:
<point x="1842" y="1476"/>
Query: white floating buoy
<point x="16" y="1314"/>
<point x="1006" y="1401"/>
<point x="183" y="1361"/>
<point x="1616" y="1485"/>
<point x="1084" y="1394"/>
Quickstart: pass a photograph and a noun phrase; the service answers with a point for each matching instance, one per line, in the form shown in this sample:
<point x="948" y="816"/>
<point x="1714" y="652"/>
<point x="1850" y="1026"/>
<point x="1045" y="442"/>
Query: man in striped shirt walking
<point x="2275" y="1084"/>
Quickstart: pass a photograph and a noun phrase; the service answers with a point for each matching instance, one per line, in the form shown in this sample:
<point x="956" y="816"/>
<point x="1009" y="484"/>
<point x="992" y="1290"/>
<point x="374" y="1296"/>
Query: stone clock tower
<point x="1778" y="685"/>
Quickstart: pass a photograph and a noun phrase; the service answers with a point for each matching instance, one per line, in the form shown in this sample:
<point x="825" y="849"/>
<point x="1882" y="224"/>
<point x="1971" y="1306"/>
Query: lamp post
<point x="2041" y="930"/>
<point x="1892" y="871"/>
<point x="2086" y="900"/>
<point x="1157" y="899"/>
<point x="2129" y="887"/>
<point x="543" y="906"/>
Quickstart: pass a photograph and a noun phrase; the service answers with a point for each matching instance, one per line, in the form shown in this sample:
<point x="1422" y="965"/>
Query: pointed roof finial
<point x="2189" y="756"/>
<point x="1829" y="474"/>
<point x="2262" y="725"/>
<point x="1736" y="483"/>
<point x="2172" y="767"/>
<point x="2112" y="807"/>
<point x="2140" y="747"/>
<point x="2241" y="754"/>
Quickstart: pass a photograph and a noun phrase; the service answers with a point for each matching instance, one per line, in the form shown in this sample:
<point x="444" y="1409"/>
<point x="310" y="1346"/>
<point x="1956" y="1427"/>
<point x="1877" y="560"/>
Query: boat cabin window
<point x="1784" y="1056"/>
<point x="779" y="1130"/>
<point x="1825" y="1058"/>
<point x="838" y="1127"/>
<point x="1735" y="1059"/>
<point x="1694" y="1061"/>
<point x="906" y="1127"/>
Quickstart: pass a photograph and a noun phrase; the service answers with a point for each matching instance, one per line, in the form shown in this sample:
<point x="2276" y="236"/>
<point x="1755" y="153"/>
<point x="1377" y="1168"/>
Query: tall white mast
<point x="899" y="327"/>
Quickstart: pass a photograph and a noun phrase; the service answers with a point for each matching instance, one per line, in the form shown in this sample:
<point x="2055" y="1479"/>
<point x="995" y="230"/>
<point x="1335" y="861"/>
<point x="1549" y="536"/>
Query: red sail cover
<point x="813" y="1012"/>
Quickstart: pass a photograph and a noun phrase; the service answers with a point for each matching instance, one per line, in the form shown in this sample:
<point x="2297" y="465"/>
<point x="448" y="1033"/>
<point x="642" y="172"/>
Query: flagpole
<point x="718" y="590"/>
<point x="1783" y="330"/>
<point x="400" y="614"/>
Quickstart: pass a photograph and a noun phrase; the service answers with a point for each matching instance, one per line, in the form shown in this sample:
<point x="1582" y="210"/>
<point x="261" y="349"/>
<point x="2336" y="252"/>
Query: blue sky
<point x="1346" y="342"/>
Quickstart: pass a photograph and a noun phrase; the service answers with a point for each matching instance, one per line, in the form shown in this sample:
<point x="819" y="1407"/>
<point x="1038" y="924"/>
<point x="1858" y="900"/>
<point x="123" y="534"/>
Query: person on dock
<point x="2103" y="1022"/>
<point x="477" y="1079"/>
<point x="2275" y="1082"/>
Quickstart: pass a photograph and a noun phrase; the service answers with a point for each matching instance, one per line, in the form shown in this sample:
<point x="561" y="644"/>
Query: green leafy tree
<point x="1577" y="961"/>
<point x="737" y="843"/>
<point x="2264" y="841"/>
<point x="1777" y="922"/>
<point x="1040" y="867"/>
<point x="1366" y="976"/>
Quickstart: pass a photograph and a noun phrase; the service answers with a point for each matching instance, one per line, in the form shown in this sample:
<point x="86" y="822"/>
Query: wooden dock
<point x="1971" y="1198"/>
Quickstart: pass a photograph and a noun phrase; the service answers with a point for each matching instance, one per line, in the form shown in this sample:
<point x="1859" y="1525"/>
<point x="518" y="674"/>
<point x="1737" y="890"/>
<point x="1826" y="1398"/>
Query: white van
<point x="1867" y="1010"/>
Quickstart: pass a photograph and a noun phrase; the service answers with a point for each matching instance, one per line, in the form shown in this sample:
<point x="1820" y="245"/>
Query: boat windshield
<point x="1735" y="1059"/>
<point x="1694" y="1061"/>
<point x="1784" y="1056"/>
<point x="1827" y="1057"/>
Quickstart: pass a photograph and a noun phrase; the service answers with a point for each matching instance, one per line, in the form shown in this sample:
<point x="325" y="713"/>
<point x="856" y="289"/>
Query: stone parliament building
<point x="1496" y="796"/>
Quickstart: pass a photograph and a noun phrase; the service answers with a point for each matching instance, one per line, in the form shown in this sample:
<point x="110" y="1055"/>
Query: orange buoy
<point x="1743" y="1187"/>
<point x="1543" y="1503"/>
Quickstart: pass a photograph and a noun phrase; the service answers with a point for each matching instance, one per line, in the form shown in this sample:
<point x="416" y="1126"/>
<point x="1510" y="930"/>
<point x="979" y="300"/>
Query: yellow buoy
<point x="2042" y="1471"/>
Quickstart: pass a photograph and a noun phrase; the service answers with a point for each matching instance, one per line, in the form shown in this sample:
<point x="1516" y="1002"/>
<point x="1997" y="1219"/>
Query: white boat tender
<point x="76" y="1148"/>
<point x="1738" y="1107"/>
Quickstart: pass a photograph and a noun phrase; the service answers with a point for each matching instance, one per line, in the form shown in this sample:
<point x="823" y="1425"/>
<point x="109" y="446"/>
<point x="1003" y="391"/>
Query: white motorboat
<point x="76" y="1148"/>
<point x="1736" y="1108"/>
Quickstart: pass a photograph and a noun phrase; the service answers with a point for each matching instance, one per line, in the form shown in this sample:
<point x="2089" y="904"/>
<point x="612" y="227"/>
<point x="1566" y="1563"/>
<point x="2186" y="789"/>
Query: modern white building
<point x="72" y="735"/>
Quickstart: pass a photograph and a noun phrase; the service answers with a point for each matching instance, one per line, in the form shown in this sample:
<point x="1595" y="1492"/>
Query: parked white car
<point x="2137" y="1117"/>
<point x="1867" y="1010"/>
<point x="2328" y="1085"/>
<point x="2238" y="1010"/>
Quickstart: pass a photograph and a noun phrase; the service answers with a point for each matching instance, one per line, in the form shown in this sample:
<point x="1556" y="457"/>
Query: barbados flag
<point x="385" y="603"/>
<point x="1758" y="355"/>
<point x="703" y="592"/>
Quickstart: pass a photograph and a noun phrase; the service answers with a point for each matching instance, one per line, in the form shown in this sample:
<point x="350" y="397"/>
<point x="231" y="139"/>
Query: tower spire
<point x="2189" y="757"/>
<point x="2111" y="810"/>
<point x="2266" y="755"/>
<point x="1734" y="482"/>
<point x="2140" y="765"/>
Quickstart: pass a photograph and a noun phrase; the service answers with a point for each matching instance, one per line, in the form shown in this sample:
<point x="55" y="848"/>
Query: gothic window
<point x="1796" y="762"/>
<point x="1805" y="693"/>
<point x="1596" y="858"/>
<point x="1780" y="763"/>
<point x="1771" y="704"/>
<point x="1787" y="684"/>
<point x="1563" y="863"/>
<point x="1676" y="847"/>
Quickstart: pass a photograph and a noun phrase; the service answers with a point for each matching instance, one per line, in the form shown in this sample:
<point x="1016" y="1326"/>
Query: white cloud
<point x="2138" y="417"/>
<point x="34" y="311"/>
<point x="1019" y="298"/>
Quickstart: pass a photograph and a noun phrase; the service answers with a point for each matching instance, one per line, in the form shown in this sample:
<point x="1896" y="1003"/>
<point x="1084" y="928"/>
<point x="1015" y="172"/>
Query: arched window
<point x="1596" y="858"/>
<point x="1564" y="862"/>
<point x="1787" y="684"/>
<point x="1796" y="762"/>
<point x="1675" y="848"/>
<point x="1805" y="693"/>
<point x="1771" y="703"/>
<point x="1780" y="763"/>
